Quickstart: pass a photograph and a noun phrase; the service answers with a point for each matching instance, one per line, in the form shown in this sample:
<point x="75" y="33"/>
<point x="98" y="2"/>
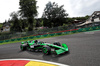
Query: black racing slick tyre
<point x="46" y="50"/>
<point x="57" y="43"/>
<point x="23" y="47"/>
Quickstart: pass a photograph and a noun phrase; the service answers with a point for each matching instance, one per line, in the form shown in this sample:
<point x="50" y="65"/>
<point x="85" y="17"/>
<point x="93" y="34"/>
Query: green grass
<point x="42" y="37"/>
<point x="1" y="25"/>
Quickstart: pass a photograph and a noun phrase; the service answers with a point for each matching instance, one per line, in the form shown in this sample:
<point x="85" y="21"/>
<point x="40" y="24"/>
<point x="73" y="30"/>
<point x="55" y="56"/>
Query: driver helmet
<point x="35" y="41"/>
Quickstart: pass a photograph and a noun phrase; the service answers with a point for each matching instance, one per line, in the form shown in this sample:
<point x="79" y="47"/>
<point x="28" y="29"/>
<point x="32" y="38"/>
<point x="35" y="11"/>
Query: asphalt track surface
<point x="84" y="50"/>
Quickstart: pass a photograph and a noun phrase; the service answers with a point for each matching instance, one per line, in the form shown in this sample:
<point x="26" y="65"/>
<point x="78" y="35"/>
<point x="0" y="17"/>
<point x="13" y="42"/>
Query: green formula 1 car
<point x="46" y="48"/>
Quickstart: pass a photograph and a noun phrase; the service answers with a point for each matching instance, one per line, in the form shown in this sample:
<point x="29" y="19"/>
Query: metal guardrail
<point x="54" y="33"/>
<point x="13" y="35"/>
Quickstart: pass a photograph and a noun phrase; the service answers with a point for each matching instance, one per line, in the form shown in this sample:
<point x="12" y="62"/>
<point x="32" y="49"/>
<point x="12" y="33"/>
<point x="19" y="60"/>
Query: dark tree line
<point x="53" y="16"/>
<point x="28" y="10"/>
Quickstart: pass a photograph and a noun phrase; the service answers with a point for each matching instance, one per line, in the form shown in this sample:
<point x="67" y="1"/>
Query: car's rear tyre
<point x="46" y="50"/>
<point x="23" y="47"/>
<point x="57" y="43"/>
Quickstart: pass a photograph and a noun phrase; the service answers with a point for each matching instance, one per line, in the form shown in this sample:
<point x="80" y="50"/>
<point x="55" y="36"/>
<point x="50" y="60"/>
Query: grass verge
<point x="43" y="37"/>
<point x="35" y="38"/>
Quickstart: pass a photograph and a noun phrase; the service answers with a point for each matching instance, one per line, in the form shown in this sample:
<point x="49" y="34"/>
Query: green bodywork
<point x="60" y="49"/>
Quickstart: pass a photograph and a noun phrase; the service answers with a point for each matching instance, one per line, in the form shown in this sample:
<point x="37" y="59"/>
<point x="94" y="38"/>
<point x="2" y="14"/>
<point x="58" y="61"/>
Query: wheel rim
<point x="44" y="50"/>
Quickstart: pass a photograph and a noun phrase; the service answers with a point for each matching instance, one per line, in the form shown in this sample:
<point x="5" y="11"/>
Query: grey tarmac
<point x="84" y="50"/>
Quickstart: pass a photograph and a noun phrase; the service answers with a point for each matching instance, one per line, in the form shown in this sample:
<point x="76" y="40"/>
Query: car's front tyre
<point x="46" y="50"/>
<point x="23" y="47"/>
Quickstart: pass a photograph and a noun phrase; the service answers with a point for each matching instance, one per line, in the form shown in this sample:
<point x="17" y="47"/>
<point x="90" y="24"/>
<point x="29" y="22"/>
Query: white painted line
<point x="59" y="64"/>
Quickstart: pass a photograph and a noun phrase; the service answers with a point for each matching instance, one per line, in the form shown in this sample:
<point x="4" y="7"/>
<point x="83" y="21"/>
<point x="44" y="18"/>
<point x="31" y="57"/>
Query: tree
<point x="82" y="18"/>
<point x="69" y="21"/>
<point x="15" y="22"/>
<point x="87" y="16"/>
<point x="55" y="14"/>
<point x="23" y="24"/>
<point x="28" y="10"/>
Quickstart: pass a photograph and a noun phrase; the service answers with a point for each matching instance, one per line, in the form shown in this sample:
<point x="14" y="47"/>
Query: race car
<point x="47" y="48"/>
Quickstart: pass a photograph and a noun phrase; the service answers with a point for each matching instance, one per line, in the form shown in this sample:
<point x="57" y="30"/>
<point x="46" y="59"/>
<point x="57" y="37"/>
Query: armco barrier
<point x="51" y="34"/>
<point x="19" y="39"/>
<point x="31" y="37"/>
<point x="45" y="35"/>
<point x="25" y="38"/>
<point x="13" y="39"/>
<point x="54" y="33"/>
<point x="7" y="40"/>
<point x="38" y="36"/>
<point x="2" y="41"/>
